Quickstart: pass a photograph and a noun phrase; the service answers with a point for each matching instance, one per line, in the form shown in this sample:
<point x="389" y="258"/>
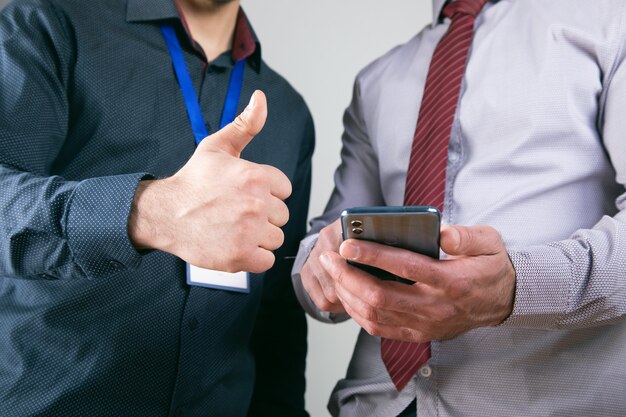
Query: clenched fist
<point x="218" y="211"/>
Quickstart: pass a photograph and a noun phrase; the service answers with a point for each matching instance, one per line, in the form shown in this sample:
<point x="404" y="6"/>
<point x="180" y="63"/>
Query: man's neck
<point x="211" y="25"/>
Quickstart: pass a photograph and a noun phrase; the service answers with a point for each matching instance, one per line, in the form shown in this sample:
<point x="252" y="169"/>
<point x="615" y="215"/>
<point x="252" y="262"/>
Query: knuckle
<point x="330" y="294"/>
<point x="252" y="177"/>
<point x="253" y="207"/>
<point x="442" y="313"/>
<point x="415" y="336"/>
<point x="330" y="235"/>
<point x="323" y="304"/>
<point x="241" y="123"/>
<point x="320" y="300"/>
<point x="275" y="174"/>
<point x="376" y="297"/>
<point x="372" y="328"/>
<point x="328" y="289"/>
<point x="407" y="334"/>
<point x="466" y="237"/>
<point x="370" y="314"/>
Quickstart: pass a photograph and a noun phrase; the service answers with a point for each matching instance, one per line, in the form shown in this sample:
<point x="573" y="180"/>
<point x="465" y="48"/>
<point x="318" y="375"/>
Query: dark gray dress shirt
<point x="89" y="105"/>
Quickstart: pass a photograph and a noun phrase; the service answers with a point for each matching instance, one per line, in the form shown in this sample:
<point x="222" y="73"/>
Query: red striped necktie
<point x="426" y="176"/>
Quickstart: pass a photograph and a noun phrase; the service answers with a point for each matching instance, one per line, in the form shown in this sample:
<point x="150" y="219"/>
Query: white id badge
<point x="239" y="281"/>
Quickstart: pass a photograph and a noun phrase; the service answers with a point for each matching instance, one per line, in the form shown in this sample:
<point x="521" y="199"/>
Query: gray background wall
<point x="319" y="46"/>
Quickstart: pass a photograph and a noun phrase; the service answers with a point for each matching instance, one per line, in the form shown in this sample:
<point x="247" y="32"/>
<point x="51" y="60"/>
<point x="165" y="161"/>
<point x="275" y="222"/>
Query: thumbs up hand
<point x="218" y="211"/>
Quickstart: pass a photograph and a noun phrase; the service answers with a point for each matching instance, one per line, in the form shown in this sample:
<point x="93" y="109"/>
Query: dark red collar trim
<point x="244" y="42"/>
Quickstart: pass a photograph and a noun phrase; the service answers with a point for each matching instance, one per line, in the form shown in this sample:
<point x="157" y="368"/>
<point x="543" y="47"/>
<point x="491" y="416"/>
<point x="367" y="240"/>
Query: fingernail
<point x="349" y="250"/>
<point x="252" y="102"/>
<point x="454" y="235"/>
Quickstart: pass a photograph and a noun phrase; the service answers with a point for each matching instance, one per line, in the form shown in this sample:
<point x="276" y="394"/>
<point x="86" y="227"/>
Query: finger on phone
<point x="401" y="262"/>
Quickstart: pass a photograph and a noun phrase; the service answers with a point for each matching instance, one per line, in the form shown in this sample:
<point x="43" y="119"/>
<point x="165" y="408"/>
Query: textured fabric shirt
<point x="90" y="105"/>
<point x="538" y="151"/>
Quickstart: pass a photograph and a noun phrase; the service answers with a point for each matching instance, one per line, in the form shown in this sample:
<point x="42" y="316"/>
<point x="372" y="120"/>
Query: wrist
<point x="508" y="292"/>
<point x="147" y="223"/>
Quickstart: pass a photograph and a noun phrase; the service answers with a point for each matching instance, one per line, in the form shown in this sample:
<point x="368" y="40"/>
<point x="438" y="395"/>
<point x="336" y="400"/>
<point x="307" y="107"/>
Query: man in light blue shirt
<point x="527" y="313"/>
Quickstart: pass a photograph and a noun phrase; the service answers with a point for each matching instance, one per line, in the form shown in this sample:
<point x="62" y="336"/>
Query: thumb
<point x="235" y="136"/>
<point x="470" y="241"/>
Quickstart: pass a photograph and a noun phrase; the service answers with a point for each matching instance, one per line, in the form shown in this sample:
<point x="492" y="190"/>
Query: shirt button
<point x="48" y="277"/>
<point x="426" y="371"/>
<point x="454" y="156"/>
<point x="115" y="265"/>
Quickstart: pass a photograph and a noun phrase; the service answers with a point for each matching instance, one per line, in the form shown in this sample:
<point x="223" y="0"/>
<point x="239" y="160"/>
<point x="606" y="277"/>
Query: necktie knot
<point x="463" y="7"/>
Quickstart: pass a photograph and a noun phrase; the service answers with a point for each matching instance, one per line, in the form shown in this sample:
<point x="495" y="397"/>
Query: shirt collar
<point x="245" y="42"/>
<point x="150" y="10"/>
<point x="437" y="8"/>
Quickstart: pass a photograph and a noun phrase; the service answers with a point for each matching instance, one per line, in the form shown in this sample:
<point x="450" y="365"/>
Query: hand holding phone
<point x="415" y="228"/>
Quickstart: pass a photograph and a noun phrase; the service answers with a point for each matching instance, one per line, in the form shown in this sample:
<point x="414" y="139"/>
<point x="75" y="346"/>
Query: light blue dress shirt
<point x="538" y="151"/>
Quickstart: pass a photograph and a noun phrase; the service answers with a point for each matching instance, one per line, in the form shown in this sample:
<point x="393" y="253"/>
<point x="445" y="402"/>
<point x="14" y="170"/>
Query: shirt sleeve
<point x="581" y="282"/>
<point x="356" y="184"/>
<point x="50" y="227"/>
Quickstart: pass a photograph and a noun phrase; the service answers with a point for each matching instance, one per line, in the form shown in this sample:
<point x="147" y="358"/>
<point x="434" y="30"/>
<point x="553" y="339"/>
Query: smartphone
<point x="415" y="228"/>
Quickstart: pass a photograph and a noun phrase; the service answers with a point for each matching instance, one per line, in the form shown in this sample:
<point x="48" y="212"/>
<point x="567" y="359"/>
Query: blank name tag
<point x="239" y="281"/>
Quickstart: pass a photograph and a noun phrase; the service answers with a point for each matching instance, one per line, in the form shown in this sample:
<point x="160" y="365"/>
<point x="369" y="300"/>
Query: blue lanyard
<point x="191" y="99"/>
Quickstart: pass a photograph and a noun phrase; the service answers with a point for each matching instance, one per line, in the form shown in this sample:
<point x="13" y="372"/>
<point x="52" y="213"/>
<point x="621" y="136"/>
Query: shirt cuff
<point x="306" y="246"/>
<point x="97" y="224"/>
<point x="542" y="293"/>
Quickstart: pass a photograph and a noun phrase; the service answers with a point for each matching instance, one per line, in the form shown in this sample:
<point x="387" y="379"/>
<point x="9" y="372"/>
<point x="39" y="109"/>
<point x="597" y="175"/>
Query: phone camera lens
<point x="357" y="230"/>
<point x="356" y="223"/>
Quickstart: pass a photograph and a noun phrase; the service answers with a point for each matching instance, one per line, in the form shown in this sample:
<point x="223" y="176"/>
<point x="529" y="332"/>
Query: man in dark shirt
<point x="108" y="209"/>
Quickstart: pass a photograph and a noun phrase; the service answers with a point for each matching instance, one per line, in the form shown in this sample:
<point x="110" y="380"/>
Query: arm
<point x="45" y="231"/>
<point x="581" y="281"/>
